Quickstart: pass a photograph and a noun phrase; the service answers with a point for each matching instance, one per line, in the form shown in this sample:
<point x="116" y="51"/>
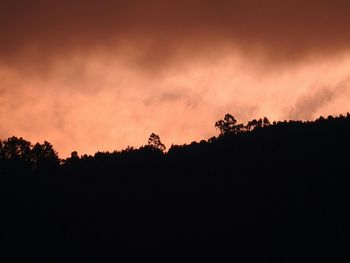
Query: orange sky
<point x="101" y="75"/>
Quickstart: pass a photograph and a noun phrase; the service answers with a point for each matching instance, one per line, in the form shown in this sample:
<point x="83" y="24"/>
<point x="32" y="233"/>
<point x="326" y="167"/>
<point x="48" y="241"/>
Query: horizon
<point x="243" y="128"/>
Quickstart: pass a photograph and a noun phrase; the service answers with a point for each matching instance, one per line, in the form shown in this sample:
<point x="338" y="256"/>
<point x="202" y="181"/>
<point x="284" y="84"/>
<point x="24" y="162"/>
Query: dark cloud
<point x="185" y="97"/>
<point x="38" y="30"/>
<point x="306" y="106"/>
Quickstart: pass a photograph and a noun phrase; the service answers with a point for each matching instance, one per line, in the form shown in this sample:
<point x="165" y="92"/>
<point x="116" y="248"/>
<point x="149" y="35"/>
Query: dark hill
<point x="264" y="193"/>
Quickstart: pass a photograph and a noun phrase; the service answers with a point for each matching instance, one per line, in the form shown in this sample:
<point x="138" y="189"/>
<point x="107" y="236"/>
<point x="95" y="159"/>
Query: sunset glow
<point x="90" y="78"/>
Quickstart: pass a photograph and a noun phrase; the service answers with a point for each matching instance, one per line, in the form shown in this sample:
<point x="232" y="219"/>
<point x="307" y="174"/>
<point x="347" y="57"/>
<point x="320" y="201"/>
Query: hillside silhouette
<point x="260" y="192"/>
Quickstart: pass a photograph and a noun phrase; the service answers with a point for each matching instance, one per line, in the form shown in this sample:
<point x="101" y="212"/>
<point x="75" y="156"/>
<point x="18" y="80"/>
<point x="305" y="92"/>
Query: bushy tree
<point x="16" y="148"/>
<point x="228" y="125"/>
<point x="44" y="154"/>
<point x="266" y="122"/>
<point x="18" y="153"/>
<point x="255" y="124"/>
<point x="154" y="142"/>
<point x="74" y="155"/>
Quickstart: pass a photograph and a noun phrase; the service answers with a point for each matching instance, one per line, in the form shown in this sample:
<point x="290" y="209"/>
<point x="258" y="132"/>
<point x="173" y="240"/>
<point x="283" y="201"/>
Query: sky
<point x="90" y="75"/>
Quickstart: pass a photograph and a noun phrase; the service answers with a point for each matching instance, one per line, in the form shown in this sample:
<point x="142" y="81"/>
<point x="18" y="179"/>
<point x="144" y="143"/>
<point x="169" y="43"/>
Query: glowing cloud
<point x="91" y="76"/>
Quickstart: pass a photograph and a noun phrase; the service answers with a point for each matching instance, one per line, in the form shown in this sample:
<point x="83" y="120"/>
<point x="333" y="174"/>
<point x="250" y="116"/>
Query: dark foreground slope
<point x="275" y="194"/>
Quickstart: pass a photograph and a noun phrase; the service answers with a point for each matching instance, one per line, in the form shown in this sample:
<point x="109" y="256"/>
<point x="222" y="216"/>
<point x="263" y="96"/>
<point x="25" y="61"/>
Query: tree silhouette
<point x="255" y="124"/>
<point x="44" y="154"/>
<point x="154" y="142"/>
<point x="16" y="148"/>
<point x="74" y="155"/>
<point x="228" y="125"/>
<point x="266" y="122"/>
<point x="22" y="154"/>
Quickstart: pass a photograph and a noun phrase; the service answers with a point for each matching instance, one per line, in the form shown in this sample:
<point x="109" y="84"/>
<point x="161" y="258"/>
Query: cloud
<point x="308" y="105"/>
<point x="155" y="32"/>
<point x="92" y="75"/>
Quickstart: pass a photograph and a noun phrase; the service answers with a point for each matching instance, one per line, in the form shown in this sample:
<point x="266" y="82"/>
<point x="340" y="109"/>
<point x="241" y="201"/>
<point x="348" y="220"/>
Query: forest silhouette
<point x="260" y="192"/>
